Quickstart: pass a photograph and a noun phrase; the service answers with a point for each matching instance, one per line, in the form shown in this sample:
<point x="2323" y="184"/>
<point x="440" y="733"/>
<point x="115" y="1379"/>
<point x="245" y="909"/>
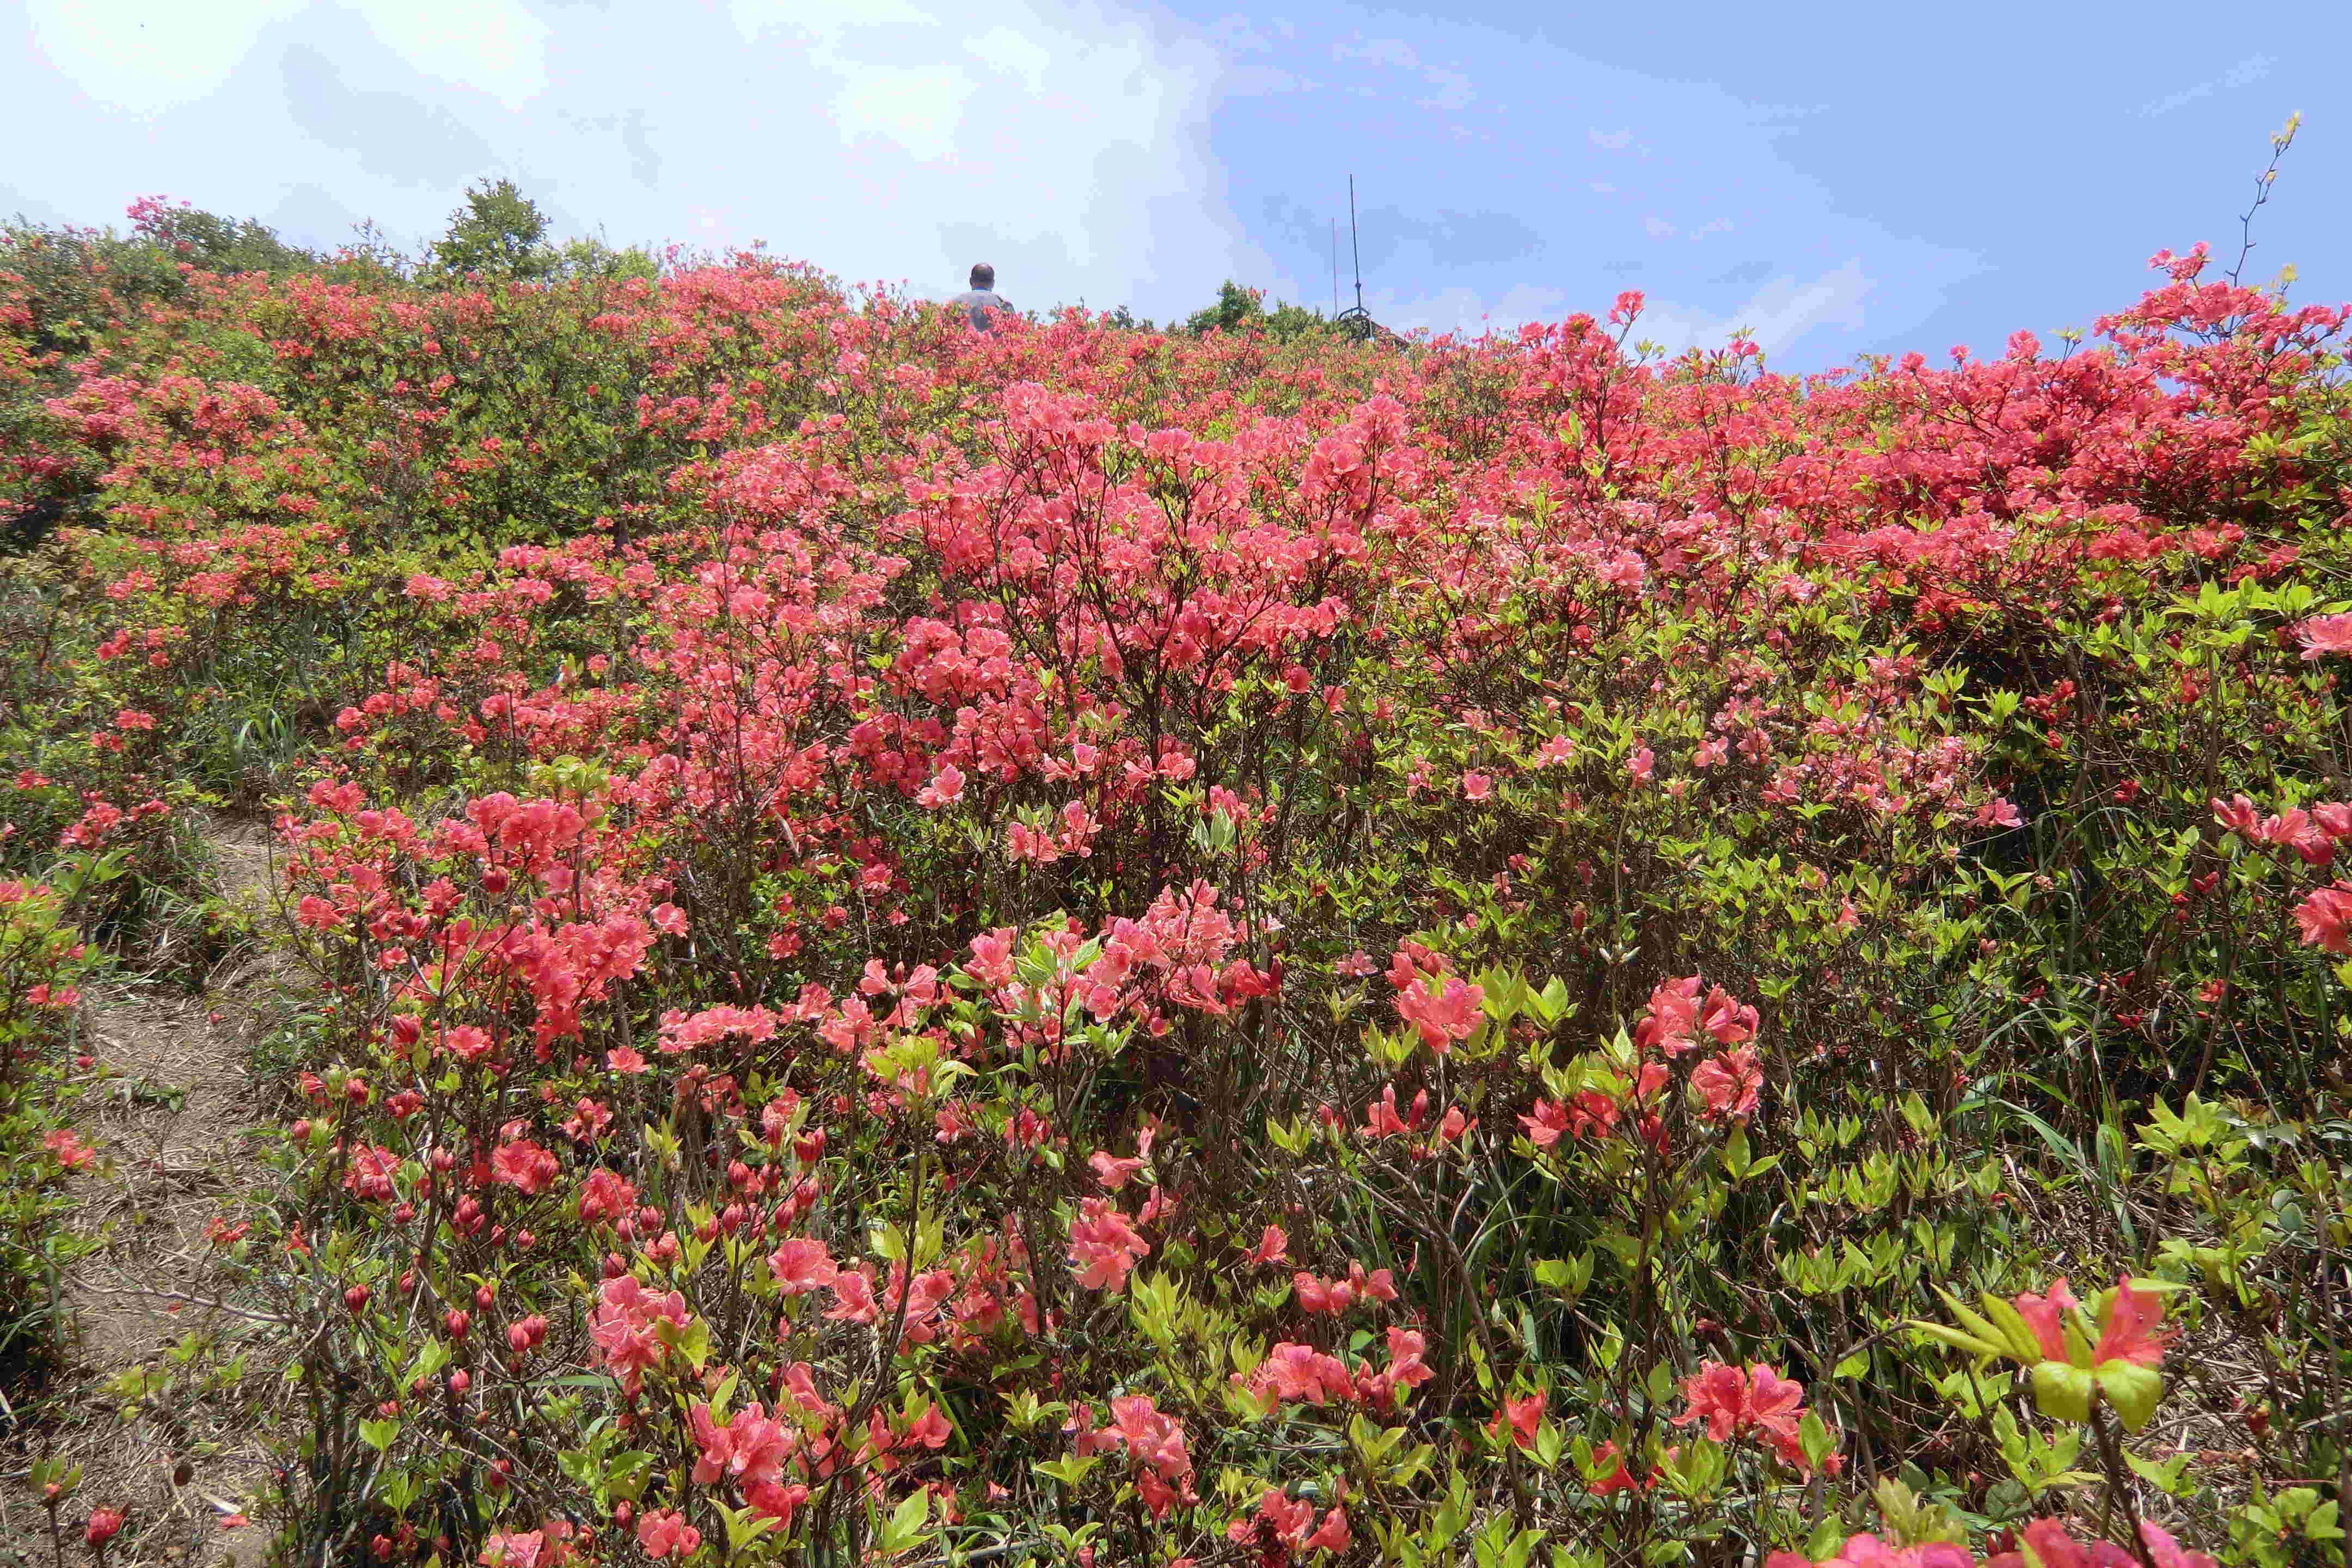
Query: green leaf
<point x="2166" y="1476"/>
<point x="905" y="1529"/>
<point x="744" y="1525"/>
<point x="2062" y="1391"/>
<point x="1958" y="1339"/>
<point x="1070" y="1471"/>
<point x="725" y="1392"/>
<point x="1813" y="1438"/>
<point x="2134" y="1390"/>
<point x="692" y="1342"/>
<point x="2024" y="1343"/>
<point x="626" y="1473"/>
<point x="430" y="1360"/>
<point x="379" y="1435"/>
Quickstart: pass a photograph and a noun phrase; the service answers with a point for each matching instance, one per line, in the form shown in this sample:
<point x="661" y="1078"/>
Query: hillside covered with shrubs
<point x="1085" y="945"/>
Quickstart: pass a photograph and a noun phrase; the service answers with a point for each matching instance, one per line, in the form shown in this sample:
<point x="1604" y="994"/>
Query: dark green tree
<point x="591" y="260"/>
<point x="1240" y="308"/>
<point x="1236" y="307"/>
<point x="498" y="232"/>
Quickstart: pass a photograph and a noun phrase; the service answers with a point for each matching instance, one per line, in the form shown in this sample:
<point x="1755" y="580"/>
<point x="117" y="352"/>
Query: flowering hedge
<point x="42" y="958"/>
<point x="1082" y="946"/>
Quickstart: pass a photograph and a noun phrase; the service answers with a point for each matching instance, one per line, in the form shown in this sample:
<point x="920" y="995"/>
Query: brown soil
<point x="174" y="1116"/>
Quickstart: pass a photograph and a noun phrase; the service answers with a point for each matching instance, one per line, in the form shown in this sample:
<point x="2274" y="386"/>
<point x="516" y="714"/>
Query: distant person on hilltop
<point x="981" y="299"/>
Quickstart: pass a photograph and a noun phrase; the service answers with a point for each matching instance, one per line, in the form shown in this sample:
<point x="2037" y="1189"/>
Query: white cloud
<point x="1394" y="52"/>
<point x="917" y="107"/>
<point x="2253" y="69"/>
<point x="1014" y="53"/>
<point x="826" y="20"/>
<point x="1456" y="91"/>
<point x="882" y="140"/>
<point x="148" y="55"/>
<point x="1451" y="90"/>
<point x="1775" y="316"/>
<point x="1463" y="314"/>
<point x="493" y="45"/>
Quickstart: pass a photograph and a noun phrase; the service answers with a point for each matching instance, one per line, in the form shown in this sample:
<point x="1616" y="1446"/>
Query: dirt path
<point x="174" y="1116"/>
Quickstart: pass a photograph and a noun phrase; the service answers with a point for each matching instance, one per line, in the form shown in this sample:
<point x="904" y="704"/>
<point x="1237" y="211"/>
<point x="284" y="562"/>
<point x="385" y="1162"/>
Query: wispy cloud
<point x="1066" y="140"/>
<point x="2251" y="69"/>
<point x="1775" y="317"/>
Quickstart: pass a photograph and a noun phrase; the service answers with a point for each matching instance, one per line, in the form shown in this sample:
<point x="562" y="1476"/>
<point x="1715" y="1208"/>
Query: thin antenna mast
<point x="1356" y="322"/>
<point x="1355" y="244"/>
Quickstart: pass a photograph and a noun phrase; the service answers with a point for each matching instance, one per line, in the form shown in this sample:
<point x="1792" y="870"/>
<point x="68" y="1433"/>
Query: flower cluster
<point x="1202" y="947"/>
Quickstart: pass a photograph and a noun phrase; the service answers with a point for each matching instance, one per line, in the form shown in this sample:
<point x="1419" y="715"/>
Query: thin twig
<point x="191" y="1300"/>
<point x="2279" y="144"/>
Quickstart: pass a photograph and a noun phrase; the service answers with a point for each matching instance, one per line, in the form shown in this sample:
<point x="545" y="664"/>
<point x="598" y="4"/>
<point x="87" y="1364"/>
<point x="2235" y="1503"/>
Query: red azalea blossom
<point x="67" y="1147"/>
<point x="1522" y="1415"/>
<point x="1757" y="1401"/>
<point x="666" y="1533"/>
<point x="1104" y="1246"/>
<point x="2324" y="635"/>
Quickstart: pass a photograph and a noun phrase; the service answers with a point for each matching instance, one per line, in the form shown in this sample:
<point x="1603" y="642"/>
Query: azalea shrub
<point x="43" y="960"/>
<point x="1079" y="945"/>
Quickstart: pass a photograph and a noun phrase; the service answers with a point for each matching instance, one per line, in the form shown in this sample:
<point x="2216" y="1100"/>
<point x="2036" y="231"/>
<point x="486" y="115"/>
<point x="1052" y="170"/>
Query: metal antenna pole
<point x="1355" y="242"/>
<point x="1355" y="323"/>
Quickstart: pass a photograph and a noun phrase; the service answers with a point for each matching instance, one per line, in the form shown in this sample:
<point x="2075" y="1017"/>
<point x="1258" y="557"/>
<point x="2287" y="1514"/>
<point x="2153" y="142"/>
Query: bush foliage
<point x="1083" y="945"/>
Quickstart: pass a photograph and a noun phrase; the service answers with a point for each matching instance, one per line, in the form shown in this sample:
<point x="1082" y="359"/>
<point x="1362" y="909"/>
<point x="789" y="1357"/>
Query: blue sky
<point x="1836" y="178"/>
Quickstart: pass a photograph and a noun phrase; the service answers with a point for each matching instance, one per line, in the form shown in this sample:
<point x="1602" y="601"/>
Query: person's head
<point x="983" y="276"/>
